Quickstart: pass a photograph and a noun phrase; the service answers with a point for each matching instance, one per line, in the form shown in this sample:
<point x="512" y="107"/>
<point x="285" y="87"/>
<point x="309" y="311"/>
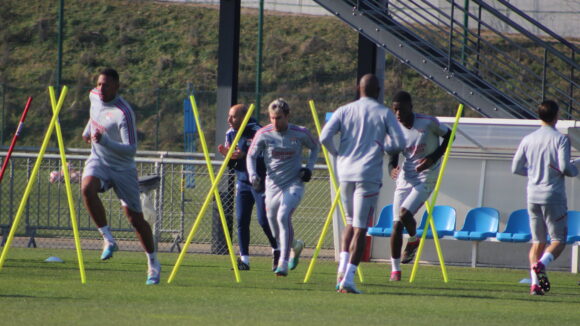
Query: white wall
<point x="561" y="16"/>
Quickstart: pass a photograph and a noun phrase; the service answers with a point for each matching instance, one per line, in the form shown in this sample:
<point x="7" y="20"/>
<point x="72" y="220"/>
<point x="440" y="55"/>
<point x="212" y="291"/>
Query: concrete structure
<point x="561" y="16"/>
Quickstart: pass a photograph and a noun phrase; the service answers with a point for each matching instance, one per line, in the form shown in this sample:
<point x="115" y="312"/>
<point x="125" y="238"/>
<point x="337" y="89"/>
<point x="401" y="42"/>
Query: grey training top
<point x="116" y="121"/>
<point x="363" y="126"/>
<point x="544" y="156"/>
<point x="282" y="154"/>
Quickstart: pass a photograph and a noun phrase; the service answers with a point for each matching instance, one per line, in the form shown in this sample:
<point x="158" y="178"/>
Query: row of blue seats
<point x="481" y="223"/>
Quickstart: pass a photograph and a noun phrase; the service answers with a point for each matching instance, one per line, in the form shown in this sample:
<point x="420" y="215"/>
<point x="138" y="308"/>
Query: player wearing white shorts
<point x="363" y="126"/>
<point x="416" y="179"/>
<point x="544" y="157"/>
<point x="112" y="134"/>
<point x="281" y="144"/>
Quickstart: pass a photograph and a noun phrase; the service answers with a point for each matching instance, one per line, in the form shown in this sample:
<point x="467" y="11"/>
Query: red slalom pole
<point x="15" y="138"/>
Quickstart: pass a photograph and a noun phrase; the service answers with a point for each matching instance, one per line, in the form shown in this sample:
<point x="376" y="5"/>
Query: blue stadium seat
<point x="517" y="228"/>
<point x="384" y="226"/>
<point x="573" y="227"/>
<point x="444" y="218"/>
<point x="480" y="223"/>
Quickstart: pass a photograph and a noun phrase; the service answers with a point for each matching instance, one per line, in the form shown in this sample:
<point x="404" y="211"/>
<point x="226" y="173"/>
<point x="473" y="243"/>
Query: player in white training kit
<point x="112" y="134"/>
<point x="364" y="126"/>
<point x="544" y="157"/>
<point x="416" y="179"/>
<point x="281" y="144"/>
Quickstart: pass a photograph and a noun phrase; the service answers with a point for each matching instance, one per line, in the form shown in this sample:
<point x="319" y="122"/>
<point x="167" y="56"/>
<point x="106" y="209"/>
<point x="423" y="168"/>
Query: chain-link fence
<point x="177" y="201"/>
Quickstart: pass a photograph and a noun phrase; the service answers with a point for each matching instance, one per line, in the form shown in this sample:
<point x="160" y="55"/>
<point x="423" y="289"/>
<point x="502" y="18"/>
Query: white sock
<point x="151" y="259"/>
<point x="546" y="259"/>
<point x="344" y="257"/>
<point x="534" y="277"/>
<point x="283" y="265"/>
<point x="105" y="231"/>
<point x="412" y="239"/>
<point x="246" y="260"/>
<point x="349" y="275"/>
<point x="396" y="264"/>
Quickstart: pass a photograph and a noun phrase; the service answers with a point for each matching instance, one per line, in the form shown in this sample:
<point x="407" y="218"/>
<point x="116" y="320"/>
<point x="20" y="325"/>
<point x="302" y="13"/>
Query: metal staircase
<point x="488" y="60"/>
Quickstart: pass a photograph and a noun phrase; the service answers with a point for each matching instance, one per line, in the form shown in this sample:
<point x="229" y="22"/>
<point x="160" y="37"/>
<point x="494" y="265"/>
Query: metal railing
<point x="465" y="39"/>
<point x="46" y="220"/>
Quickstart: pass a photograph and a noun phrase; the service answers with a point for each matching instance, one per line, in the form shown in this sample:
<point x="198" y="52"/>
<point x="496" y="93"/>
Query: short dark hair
<point x="402" y="97"/>
<point x="279" y="105"/>
<point x="548" y="110"/>
<point x="110" y="72"/>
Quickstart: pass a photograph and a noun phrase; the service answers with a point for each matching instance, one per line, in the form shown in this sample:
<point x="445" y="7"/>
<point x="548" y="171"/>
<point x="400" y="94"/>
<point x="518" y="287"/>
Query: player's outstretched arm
<point x="564" y="159"/>
<point x="520" y="163"/>
<point x="87" y="133"/>
<point x="395" y="137"/>
<point x="330" y="129"/>
<point x="311" y="143"/>
<point x="256" y="148"/>
<point x="127" y="145"/>
<point x="432" y="158"/>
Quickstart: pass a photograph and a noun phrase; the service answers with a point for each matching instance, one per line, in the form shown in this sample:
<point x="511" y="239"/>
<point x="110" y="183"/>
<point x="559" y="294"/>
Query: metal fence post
<point x="3" y="113"/>
<point x="478" y="40"/>
<point x="544" y="75"/>
<point x="158" y="91"/>
<point x="449" y="51"/>
<point x="158" y="201"/>
<point x="571" y="85"/>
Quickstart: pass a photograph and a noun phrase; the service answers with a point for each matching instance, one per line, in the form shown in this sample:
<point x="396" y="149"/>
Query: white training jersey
<point x="116" y="121"/>
<point x="421" y="140"/>
<point x="363" y="126"/>
<point x="544" y="156"/>
<point x="282" y="154"/>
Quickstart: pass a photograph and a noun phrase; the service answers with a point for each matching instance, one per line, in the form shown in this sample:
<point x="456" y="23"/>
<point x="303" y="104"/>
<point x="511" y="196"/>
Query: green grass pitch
<point x="204" y="292"/>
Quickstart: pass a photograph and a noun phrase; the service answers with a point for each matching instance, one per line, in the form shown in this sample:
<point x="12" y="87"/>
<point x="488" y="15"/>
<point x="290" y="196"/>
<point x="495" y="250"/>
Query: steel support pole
<point x="259" y="61"/>
<point x="227" y="95"/>
<point x="59" y="46"/>
<point x="371" y="59"/>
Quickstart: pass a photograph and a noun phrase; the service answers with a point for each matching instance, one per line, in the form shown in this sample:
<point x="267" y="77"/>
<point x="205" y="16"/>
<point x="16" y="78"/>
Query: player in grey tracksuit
<point x="544" y="157"/>
<point x="112" y="133"/>
<point x="364" y="126"/>
<point x="281" y="144"/>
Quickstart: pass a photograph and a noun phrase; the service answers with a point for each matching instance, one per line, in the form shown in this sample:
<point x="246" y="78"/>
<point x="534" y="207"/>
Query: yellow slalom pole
<point x="216" y="192"/>
<point x="434" y="201"/>
<point x="71" y="203"/>
<point x="210" y="195"/>
<point x="322" y="236"/>
<point x="332" y="177"/>
<point x="327" y="158"/>
<point x="422" y="242"/>
<point x="32" y="179"/>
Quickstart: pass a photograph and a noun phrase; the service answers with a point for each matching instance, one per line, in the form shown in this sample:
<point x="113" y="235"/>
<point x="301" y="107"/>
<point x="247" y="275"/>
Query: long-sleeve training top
<point x="116" y="122"/>
<point x="544" y="157"/>
<point x="282" y="154"/>
<point x="363" y="126"/>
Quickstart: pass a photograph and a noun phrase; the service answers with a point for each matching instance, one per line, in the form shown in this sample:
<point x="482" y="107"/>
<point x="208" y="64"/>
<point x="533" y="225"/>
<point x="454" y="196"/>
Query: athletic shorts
<point x="548" y="219"/>
<point x="410" y="196"/>
<point x="125" y="183"/>
<point x="360" y="202"/>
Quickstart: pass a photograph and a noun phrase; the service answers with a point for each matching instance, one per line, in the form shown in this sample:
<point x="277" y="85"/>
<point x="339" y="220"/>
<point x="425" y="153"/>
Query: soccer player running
<point x="246" y="195"/>
<point x="112" y="133"/>
<point x="544" y="157"/>
<point x="281" y="144"/>
<point x="363" y="126"/>
<point x="417" y="177"/>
